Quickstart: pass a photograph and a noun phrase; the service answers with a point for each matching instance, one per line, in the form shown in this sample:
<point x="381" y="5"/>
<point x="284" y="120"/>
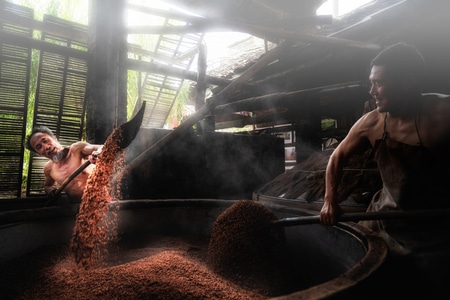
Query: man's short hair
<point x="401" y="59"/>
<point x="37" y="129"/>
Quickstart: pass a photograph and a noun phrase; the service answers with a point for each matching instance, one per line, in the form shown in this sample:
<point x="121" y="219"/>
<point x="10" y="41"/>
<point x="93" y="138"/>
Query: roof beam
<point x="260" y="31"/>
<point x="156" y="68"/>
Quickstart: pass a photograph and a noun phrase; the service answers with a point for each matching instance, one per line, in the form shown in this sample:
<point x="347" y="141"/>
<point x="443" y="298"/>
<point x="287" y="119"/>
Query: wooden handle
<point x="72" y="176"/>
<point x="67" y="181"/>
<point x="378" y="215"/>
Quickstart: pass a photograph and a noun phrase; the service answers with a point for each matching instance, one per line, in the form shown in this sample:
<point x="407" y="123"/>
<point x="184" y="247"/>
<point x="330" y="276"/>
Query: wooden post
<point x="106" y="88"/>
<point x="200" y="89"/>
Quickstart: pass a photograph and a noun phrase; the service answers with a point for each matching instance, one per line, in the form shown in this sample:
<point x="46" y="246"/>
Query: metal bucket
<point x="335" y="258"/>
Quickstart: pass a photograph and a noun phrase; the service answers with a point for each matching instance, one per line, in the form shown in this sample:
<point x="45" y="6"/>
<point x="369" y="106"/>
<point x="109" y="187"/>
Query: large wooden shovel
<point x="129" y="131"/>
<point x="361" y="216"/>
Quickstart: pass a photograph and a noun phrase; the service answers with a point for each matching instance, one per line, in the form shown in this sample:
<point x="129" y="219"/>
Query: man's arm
<point x="355" y="142"/>
<point x="94" y="152"/>
<point x="49" y="182"/>
<point x="90" y="151"/>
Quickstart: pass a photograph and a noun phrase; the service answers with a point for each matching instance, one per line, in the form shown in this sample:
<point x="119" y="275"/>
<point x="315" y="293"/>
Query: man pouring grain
<point x="63" y="161"/>
<point x="409" y="133"/>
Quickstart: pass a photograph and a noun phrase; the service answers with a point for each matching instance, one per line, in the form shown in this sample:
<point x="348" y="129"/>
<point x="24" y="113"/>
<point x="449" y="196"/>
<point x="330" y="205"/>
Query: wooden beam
<point x="138" y="51"/>
<point x="23" y="41"/>
<point x="288" y="99"/>
<point x="200" y="87"/>
<point x="73" y="33"/>
<point x="307" y="37"/>
<point x="285" y="22"/>
<point x="280" y="108"/>
<point x="275" y="118"/>
<point x="165" y="13"/>
<point x="156" y="68"/>
<point x="273" y="34"/>
<point x="277" y="13"/>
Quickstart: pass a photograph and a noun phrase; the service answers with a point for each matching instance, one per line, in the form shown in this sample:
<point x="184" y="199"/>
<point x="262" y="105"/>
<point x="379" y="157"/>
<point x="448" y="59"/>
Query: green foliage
<point x="73" y="10"/>
<point x="328" y="124"/>
<point x="181" y="101"/>
<point x="132" y="91"/>
<point x="30" y="110"/>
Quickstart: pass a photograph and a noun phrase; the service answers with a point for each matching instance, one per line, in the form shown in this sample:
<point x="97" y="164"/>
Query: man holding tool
<point x="409" y="133"/>
<point x="63" y="161"/>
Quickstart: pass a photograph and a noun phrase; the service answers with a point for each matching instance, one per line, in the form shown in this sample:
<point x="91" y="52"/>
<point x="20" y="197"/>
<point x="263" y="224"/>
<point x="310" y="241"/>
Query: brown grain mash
<point x="169" y="268"/>
<point x="244" y="244"/>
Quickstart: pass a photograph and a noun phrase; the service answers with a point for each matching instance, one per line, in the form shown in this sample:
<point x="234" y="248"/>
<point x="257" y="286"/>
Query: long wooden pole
<point x="211" y="103"/>
<point x="362" y="216"/>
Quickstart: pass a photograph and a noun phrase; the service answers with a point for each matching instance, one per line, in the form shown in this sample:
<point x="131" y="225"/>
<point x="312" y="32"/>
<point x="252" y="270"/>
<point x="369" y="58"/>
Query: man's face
<point x="45" y="144"/>
<point x="383" y="89"/>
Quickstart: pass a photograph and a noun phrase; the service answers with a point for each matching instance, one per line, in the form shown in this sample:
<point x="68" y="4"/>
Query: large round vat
<point x="333" y="258"/>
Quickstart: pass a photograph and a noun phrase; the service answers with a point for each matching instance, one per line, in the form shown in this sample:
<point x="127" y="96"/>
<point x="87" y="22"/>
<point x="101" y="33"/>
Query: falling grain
<point x="96" y="223"/>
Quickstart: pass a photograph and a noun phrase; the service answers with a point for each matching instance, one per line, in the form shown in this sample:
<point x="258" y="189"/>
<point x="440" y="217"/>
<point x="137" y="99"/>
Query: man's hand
<point x="329" y="213"/>
<point x="93" y="157"/>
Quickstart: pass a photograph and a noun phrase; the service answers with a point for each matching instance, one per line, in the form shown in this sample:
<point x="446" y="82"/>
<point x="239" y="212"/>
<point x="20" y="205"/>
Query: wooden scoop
<point x="129" y="131"/>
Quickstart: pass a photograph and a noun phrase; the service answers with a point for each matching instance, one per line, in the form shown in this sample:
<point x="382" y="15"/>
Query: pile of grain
<point x="168" y="269"/>
<point x="246" y="246"/>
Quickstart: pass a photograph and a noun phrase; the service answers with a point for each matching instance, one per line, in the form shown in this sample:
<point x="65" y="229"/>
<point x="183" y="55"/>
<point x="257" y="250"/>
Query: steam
<point x="213" y="165"/>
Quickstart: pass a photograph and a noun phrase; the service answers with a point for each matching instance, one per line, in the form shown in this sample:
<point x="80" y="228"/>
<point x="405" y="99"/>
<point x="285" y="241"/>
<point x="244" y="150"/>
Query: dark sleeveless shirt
<point x="410" y="173"/>
<point x="412" y="180"/>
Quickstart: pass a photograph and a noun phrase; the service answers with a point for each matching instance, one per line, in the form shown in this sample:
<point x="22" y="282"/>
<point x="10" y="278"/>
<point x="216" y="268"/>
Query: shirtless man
<point x="409" y="133"/>
<point x="63" y="161"/>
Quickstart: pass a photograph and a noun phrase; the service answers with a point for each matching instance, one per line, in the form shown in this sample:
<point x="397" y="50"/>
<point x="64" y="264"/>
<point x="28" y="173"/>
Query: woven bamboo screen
<point x="60" y="94"/>
<point x="14" y="89"/>
<point x="58" y="89"/>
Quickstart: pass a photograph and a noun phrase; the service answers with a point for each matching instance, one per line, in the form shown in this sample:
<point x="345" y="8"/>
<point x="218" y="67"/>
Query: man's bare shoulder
<point x="370" y="119"/>
<point x="435" y="121"/>
<point x="78" y="146"/>
<point x="436" y="96"/>
<point x="436" y="104"/>
<point x="368" y="127"/>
